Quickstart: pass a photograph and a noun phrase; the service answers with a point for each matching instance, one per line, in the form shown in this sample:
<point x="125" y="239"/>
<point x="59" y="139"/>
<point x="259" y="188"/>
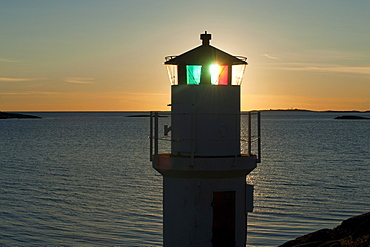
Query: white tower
<point x="205" y="195"/>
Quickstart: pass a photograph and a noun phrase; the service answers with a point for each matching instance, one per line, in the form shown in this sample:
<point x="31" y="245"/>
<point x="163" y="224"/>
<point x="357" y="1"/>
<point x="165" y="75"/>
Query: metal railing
<point x="250" y="139"/>
<point x="256" y="137"/>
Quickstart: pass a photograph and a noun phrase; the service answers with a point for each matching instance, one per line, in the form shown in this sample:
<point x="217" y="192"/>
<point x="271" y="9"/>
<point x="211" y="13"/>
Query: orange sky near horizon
<point x="108" y="56"/>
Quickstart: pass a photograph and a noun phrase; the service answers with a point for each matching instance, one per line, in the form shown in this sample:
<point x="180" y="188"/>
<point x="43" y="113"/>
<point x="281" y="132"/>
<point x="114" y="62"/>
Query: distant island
<point x="305" y="110"/>
<point x="291" y="109"/>
<point x="143" y="115"/>
<point x="6" y="115"/>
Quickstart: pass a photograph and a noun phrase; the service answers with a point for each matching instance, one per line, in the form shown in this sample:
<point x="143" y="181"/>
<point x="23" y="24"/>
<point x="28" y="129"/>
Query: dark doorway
<point x="223" y="219"/>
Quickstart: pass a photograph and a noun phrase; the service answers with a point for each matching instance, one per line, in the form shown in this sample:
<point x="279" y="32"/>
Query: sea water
<point x="84" y="178"/>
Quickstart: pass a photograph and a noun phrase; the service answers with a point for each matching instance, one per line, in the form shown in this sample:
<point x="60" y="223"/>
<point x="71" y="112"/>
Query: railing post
<point x="151" y="136"/>
<point x="259" y="136"/>
<point x="249" y="133"/>
<point x="156" y="135"/>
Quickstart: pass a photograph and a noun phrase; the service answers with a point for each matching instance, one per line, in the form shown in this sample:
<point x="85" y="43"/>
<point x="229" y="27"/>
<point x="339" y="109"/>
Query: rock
<point x="352" y="232"/>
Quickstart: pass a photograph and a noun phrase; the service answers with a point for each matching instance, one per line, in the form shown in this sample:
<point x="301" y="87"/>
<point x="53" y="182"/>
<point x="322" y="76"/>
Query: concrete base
<point x="205" y="199"/>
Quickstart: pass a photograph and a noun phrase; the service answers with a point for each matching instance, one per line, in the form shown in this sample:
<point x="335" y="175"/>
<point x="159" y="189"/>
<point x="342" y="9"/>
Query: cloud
<point x="336" y="69"/>
<point x="271" y="57"/>
<point x="8" y="79"/>
<point x="79" y="80"/>
<point x="5" y="60"/>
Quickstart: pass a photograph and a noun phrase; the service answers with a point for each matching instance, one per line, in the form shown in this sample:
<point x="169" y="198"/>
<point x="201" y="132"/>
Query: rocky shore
<point x="352" y="232"/>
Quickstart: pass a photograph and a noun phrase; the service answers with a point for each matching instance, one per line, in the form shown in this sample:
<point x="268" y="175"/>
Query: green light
<point x="193" y="73"/>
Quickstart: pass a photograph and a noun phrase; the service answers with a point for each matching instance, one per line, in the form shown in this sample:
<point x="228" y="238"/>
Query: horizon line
<point x="271" y="109"/>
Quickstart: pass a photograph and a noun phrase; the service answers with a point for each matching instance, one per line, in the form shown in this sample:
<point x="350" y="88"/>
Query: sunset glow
<point x="108" y="56"/>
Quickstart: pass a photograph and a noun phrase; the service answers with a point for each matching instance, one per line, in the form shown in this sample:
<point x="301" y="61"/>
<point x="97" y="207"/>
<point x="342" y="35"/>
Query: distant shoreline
<point x="7" y="115"/>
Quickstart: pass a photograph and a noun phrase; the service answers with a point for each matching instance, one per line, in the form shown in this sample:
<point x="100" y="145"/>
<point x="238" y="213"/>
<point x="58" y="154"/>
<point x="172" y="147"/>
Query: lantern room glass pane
<point x="223" y="78"/>
<point x="172" y="74"/>
<point x="193" y="73"/>
<point x="219" y="74"/>
<point x="237" y="74"/>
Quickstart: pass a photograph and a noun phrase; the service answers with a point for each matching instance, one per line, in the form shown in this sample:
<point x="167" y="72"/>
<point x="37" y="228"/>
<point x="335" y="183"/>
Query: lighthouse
<point x="205" y="195"/>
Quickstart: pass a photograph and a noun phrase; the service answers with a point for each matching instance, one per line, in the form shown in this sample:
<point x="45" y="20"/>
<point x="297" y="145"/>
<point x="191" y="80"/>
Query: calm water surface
<point x="86" y="179"/>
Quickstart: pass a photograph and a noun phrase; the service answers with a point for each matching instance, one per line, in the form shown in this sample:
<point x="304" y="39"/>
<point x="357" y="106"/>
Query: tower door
<point x="223" y="231"/>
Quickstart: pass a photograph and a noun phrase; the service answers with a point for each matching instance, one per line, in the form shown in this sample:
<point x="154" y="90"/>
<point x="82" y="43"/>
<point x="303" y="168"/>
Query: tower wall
<point x="205" y="120"/>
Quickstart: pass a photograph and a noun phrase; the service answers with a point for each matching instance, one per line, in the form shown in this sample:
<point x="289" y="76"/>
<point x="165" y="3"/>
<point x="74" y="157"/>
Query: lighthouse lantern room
<point x="205" y="195"/>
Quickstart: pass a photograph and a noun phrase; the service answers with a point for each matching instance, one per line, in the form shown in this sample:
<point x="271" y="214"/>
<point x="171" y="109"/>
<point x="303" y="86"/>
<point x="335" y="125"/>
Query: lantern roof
<point x="205" y="54"/>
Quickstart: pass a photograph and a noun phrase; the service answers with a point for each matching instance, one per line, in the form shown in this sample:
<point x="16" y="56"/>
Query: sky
<point x="95" y="55"/>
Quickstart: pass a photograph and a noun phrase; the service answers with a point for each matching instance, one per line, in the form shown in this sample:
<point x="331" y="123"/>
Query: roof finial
<point x="205" y="37"/>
